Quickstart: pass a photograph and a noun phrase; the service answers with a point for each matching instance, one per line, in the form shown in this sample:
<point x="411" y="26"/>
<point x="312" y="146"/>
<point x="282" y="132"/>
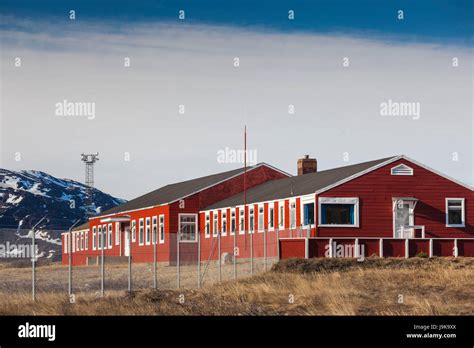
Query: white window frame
<point x="409" y="170"/>
<point x="117" y="233"/>
<point x="215" y="223"/>
<point x="463" y="212"/>
<point x="65" y="243"/>
<point x="134" y="231"/>
<point x="241" y="220"/>
<point x="161" y="229"/>
<point x="195" y="227"/>
<point x="233" y="222"/>
<point x="303" y="202"/>
<point x="224" y="222"/>
<point x="271" y="208"/>
<point x="81" y="240"/>
<point x="109" y="237"/>
<point x="148" y="231"/>
<point x="86" y="240"/>
<point x="207" y="224"/>
<point x="104" y="231"/>
<point x="99" y="238"/>
<point x="251" y="217"/>
<point x="339" y="200"/>
<point x="94" y="236"/>
<point x="261" y="214"/>
<point x="73" y="236"/>
<point x="141" y="231"/>
<point x="281" y="215"/>
<point x="292" y="213"/>
<point x="154" y="230"/>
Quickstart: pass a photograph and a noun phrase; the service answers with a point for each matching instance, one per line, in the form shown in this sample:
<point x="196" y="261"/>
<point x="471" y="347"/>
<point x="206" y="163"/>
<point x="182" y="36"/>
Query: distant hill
<point x="28" y="195"/>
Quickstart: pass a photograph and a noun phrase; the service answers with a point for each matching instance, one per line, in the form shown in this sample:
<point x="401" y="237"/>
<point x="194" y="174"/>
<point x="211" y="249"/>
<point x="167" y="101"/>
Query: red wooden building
<point x="392" y="207"/>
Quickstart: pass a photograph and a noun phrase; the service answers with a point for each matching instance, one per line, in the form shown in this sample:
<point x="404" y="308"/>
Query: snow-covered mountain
<point x="28" y="195"/>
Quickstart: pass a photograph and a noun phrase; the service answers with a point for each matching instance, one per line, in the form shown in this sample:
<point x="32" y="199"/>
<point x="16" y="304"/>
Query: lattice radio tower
<point x="89" y="160"/>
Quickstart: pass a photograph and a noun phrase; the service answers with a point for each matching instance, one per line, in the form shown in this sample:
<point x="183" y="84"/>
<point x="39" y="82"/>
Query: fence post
<point x="177" y="260"/>
<point x="33" y="266"/>
<point x="431" y="247"/>
<point x="130" y="260"/>
<point x="234" y="256"/>
<point x="330" y="248"/>
<point x="155" y="275"/>
<point x="199" y="260"/>
<point x="69" y="247"/>
<point x="219" y="254"/>
<point x="102" y="270"/>
<point x="381" y="247"/>
<point x="251" y="252"/>
<point x="456" y="251"/>
<point x="33" y="260"/>
<point x="407" y="249"/>
<point x="265" y="249"/>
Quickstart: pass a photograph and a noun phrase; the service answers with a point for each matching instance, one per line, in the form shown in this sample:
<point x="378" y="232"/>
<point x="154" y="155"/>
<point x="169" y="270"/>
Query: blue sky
<point x="442" y="21"/>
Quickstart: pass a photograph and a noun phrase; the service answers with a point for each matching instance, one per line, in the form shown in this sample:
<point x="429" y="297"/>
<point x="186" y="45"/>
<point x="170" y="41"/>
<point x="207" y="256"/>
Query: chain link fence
<point x="186" y="264"/>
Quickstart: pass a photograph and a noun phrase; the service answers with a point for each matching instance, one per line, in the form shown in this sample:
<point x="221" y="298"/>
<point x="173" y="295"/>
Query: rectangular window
<point x="271" y="217"/>
<point x="99" y="237"/>
<point x="261" y="224"/>
<point x="308" y="214"/>
<point x="74" y="242"/>
<point x="148" y="231"/>
<point x="339" y="212"/>
<point x="94" y="236"/>
<point x="104" y="232"/>
<point x="86" y="242"/>
<point x="251" y="221"/>
<point x="292" y="215"/>
<point x="281" y="216"/>
<point x="242" y="221"/>
<point x="208" y="226"/>
<point x="81" y="236"/>
<point x="188" y="227"/>
<point x="216" y="222"/>
<point x="110" y="236"/>
<point x="65" y="243"/>
<point x="154" y="230"/>
<point x="141" y="231"/>
<point x="162" y="229"/>
<point x="134" y="231"/>
<point x="232" y="222"/>
<point x="224" y="224"/>
<point x="117" y="233"/>
<point x="455" y="213"/>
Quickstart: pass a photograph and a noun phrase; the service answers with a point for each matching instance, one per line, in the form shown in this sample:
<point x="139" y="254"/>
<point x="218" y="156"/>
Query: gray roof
<point x="296" y="185"/>
<point x="84" y="226"/>
<point x="173" y="192"/>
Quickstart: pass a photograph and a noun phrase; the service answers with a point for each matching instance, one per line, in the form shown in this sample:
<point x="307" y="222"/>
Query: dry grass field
<point x="438" y="286"/>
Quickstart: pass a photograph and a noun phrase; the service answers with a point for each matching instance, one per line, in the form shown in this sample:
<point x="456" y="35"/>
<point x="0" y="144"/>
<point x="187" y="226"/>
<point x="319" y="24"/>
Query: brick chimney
<point x="307" y="165"/>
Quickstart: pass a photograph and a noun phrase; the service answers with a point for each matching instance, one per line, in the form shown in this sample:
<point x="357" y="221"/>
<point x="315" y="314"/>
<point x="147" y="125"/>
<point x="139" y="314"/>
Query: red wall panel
<point x="376" y="190"/>
<point x="292" y="248"/>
